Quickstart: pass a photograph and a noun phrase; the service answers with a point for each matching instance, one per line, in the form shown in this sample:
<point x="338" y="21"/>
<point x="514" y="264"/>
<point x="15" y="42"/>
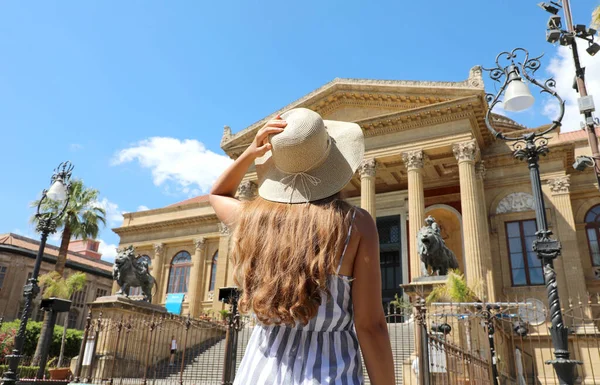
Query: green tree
<point x="596" y="17"/>
<point x="82" y="219"/>
<point x="54" y="285"/>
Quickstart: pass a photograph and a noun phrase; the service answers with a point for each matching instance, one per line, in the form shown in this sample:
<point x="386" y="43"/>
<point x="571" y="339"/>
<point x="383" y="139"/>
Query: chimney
<point x="89" y="248"/>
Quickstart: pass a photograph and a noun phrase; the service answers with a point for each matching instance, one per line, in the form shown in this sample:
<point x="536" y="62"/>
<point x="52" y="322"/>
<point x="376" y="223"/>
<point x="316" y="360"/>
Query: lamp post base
<point x="10" y="376"/>
<point x="565" y="370"/>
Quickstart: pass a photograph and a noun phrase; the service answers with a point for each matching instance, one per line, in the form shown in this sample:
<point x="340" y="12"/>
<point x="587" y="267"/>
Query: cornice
<point x="190" y="221"/>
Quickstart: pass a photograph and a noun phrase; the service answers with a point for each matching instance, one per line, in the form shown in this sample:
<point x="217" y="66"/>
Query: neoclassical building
<point x="428" y="152"/>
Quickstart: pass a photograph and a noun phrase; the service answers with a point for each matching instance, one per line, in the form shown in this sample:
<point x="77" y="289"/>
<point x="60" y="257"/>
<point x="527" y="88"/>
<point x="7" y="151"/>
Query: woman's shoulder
<point x="364" y="221"/>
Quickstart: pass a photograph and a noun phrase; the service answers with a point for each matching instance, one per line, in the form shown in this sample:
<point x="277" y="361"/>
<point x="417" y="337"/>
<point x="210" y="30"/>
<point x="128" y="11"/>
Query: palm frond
<point x="75" y="282"/>
<point x="54" y="285"/>
<point x="455" y="289"/>
<point x="596" y="17"/>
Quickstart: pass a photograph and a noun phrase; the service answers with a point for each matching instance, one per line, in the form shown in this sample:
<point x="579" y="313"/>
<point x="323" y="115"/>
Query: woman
<point x="306" y="261"/>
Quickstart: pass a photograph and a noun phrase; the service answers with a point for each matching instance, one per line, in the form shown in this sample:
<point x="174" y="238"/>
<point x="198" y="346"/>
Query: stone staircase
<point x="205" y="366"/>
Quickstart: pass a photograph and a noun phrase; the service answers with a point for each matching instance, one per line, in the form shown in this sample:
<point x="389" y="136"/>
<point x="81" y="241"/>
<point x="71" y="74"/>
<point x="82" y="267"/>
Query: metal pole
<point x="46" y="344"/>
<point x="79" y="365"/>
<point x="489" y="323"/>
<point x="421" y="341"/>
<point x="548" y="249"/>
<point x="580" y="79"/>
<point x="30" y="291"/>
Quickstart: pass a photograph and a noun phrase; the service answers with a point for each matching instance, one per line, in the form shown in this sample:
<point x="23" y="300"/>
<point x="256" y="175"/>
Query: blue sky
<point x="135" y="93"/>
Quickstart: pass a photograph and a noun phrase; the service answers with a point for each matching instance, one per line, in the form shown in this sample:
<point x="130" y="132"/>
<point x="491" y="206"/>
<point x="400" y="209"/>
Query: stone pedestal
<point x="421" y="287"/>
<point x="123" y="306"/>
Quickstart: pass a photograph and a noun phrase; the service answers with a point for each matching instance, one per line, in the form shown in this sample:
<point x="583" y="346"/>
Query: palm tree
<point x="81" y="220"/>
<point x="59" y="287"/>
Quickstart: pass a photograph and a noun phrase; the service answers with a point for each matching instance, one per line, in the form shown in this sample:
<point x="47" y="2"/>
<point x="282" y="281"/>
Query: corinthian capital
<point x="199" y="243"/>
<point x="367" y="168"/>
<point x="247" y="190"/>
<point x="159" y="248"/>
<point x="413" y="159"/>
<point x="465" y="151"/>
<point x="560" y="185"/>
<point x="223" y="229"/>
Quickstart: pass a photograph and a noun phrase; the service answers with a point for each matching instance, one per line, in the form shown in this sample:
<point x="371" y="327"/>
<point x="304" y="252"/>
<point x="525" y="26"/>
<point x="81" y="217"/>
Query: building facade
<point x="17" y="257"/>
<point x="428" y="152"/>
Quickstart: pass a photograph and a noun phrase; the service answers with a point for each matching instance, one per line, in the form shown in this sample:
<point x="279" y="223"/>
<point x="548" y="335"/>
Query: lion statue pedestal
<point x="421" y="287"/>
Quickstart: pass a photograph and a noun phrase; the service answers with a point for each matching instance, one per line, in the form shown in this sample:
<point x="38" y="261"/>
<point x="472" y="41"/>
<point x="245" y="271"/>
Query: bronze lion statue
<point x="129" y="272"/>
<point x="433" y="250"/>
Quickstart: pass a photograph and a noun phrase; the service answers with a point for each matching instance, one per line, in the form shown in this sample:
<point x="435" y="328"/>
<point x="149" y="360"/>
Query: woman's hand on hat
<point x="261" y="144"/>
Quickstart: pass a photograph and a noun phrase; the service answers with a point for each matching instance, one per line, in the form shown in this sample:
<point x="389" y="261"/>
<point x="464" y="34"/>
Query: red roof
<point x="33" y="245"/>
<point x="574" y="135"/>
<point x="198" y="199"/>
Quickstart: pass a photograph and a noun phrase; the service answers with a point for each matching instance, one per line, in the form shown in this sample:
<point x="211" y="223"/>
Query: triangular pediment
<point x="361" y="100"/>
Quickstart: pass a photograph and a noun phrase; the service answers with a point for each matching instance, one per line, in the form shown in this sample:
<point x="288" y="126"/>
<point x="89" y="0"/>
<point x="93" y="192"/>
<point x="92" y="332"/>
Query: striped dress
<point x="324" y="351"/>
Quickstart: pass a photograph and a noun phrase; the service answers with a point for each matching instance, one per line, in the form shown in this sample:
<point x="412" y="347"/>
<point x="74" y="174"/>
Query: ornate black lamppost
<point x="46" y="224"/>
<point x="515" y="96"/>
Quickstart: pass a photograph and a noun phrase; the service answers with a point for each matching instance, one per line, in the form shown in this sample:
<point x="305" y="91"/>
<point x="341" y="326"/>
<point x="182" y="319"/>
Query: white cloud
<point x="186" y="164"/>
<point x="143" y="208"/>
<point x="108" y="251"/>
<point x="75" y="147"/>
<point x="562" y="69"/>
<point x="114" y="216"/>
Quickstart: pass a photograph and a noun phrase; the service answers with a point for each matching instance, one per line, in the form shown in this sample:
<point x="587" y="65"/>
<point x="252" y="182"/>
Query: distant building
<point x="17" y="257"/>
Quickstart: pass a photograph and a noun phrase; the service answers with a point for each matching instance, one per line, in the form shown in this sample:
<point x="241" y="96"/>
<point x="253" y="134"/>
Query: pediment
<point x="360" y="100"/>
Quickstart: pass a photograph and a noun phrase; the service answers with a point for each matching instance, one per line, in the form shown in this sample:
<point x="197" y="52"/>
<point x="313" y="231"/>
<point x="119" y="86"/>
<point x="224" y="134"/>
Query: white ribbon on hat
<point x="291" y="180"/>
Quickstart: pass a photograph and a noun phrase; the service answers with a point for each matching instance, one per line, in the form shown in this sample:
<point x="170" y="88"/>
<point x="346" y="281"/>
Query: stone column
<point x="572" y="277"/>
<point x="465" y="153"/>
<point x="247" y="190"/>
<point x="159" y="265"/>
<point x="222" y="264"/>
<point x="367" y="186"/>
<point x="196" y="278"/>
<point x="416" y="206"/>
<point x="484" y="231"/>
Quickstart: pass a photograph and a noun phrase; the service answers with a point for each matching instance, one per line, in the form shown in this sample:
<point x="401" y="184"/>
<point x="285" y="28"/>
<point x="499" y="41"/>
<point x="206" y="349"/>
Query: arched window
<point x="137" y="291"/>
<point x="213" y="271"/>
<point x="179" y="276"/>
<point x="592" y="228"/>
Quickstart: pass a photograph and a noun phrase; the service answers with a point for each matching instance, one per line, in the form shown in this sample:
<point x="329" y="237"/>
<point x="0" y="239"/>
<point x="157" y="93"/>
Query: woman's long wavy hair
<point x="283" y="254"/>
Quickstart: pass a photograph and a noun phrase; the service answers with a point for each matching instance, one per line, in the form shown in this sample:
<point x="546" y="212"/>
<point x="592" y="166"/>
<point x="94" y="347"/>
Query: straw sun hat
<point x="311" y="159"/>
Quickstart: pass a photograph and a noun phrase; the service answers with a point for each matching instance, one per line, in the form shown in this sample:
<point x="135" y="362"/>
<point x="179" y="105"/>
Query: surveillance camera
<point x="583" y="162"/>
<point x="553" y="35"/>
<point x="554" y="22"/>
<point x="593" y="49"/>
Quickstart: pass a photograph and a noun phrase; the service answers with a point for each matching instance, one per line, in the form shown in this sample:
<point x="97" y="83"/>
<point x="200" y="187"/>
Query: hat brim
<point x="345" y="156"/>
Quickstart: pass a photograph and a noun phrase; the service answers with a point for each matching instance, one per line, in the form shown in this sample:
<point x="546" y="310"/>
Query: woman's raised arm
<point x="222" y="194"/>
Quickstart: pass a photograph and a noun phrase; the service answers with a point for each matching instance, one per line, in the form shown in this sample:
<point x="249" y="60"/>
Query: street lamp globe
<point x="517" y="96"/>
<point x="58" y="191"/>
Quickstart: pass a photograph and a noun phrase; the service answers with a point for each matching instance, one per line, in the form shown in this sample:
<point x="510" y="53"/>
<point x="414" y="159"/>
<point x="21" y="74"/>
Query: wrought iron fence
<point x="141" y="350"/>
<point x="481" y="344"/>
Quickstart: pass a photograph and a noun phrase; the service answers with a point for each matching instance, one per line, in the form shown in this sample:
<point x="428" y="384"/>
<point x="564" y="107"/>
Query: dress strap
<point x="347" y="240"/>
